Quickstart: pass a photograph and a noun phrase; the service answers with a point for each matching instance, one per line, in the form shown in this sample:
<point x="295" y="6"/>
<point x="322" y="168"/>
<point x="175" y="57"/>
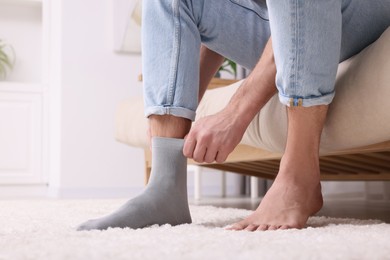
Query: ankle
<point x="168" y="126"/>
<point x="298" y="170"/>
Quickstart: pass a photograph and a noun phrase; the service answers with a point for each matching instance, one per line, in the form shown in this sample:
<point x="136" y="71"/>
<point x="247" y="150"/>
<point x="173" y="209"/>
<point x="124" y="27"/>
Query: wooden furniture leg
<point x="254" y="187"/>
<point x="223" y="184"/>
<point x="197" y="182"/>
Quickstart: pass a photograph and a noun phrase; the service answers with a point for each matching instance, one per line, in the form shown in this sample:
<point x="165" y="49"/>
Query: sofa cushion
<point x="358" y="116"/>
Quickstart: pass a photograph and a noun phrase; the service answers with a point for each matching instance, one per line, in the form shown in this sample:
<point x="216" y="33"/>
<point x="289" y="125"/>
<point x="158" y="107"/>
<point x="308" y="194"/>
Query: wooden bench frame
<point x="369" y="163"/>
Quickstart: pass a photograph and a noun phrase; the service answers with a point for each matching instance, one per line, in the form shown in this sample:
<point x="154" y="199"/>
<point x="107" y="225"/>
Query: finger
<point x="221" y="156"/>
<point x="199" y="153"/>
<point x="211" y="154"/>
<point x="189" y="147"/>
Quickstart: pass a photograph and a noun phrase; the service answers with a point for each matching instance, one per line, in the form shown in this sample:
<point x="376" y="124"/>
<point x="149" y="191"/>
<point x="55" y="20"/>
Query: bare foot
<point x="293" y="197"/>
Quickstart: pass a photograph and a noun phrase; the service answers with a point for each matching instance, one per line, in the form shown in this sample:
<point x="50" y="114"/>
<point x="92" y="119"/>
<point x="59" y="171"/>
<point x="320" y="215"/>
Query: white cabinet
<point x="23" y="94"/>
<point x="20" y="138"/>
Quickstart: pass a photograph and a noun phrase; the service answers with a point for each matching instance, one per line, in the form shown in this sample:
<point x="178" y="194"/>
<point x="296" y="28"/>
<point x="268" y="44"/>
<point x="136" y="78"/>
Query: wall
<point x="92" y="80"/>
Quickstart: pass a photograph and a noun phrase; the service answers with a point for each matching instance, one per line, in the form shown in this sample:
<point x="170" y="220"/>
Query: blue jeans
<point x="309" y="38"/>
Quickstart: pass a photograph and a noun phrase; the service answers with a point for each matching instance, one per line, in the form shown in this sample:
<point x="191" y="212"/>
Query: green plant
<point x="6" y="61"/>
<point x="228" y="66"/>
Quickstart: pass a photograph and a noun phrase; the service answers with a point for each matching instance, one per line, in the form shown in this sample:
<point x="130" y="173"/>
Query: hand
<point x="213" y="138"/>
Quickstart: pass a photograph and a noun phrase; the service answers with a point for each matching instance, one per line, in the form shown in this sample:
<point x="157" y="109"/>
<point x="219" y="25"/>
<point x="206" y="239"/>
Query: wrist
<point x="241" y="115"/>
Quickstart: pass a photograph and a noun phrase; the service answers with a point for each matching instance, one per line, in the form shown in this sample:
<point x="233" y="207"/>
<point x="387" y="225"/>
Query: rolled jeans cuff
<point x="306" y="101"/>
<point x="174" y="111"/>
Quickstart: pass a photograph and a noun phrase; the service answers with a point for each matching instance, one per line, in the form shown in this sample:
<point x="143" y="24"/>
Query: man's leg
<point x="172" y="32"/>
<point x="164" y="201"/>
<point x="306" y="41"/>
<point x="308" y="44"/>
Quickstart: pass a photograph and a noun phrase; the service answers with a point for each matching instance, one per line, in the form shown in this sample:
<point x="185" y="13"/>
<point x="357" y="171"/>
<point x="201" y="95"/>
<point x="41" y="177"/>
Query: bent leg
<point x="164" y="201"/>
<point x="172" y="33"/>
<point x="309" y="39"/>
<point x="306" y="41"/>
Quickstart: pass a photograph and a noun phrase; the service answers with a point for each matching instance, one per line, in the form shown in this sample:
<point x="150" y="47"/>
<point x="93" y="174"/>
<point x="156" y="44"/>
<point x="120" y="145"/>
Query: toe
<point x="236" y="226"/>
<point x="251" y="227"/>
<point x="284" y="227"/>
<point x="273" y="227"/>
<point x="262" y="227"/>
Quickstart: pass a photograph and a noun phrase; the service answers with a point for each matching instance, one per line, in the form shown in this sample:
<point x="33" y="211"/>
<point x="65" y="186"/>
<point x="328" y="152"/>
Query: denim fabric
<point x="310" y="38"/>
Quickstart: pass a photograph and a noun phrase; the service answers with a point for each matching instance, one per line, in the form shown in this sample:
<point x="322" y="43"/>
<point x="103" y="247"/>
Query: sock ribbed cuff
<point x="167" y="142"/>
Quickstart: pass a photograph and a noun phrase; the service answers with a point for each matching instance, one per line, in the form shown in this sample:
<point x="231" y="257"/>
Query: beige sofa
<point x="355" y="142"/>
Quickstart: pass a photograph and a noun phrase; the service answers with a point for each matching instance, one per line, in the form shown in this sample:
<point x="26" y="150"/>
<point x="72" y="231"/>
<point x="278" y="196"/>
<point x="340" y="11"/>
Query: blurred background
<point x="69" y="63"/>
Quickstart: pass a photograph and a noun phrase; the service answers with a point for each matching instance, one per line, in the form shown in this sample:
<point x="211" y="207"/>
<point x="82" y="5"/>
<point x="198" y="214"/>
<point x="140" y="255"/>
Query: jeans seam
<point x="296" y="43"/>
<point x="175" y="54"/>
<point x="293" y="45"/>
<point x="243" y="6"/>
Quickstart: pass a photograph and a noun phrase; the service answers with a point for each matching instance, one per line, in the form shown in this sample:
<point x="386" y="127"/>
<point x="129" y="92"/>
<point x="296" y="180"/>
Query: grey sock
<point x="164" y="201"/>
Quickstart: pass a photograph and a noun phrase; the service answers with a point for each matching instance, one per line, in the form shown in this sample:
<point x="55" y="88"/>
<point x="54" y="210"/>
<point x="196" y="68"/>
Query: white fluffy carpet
<point x="46" y="230"/>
